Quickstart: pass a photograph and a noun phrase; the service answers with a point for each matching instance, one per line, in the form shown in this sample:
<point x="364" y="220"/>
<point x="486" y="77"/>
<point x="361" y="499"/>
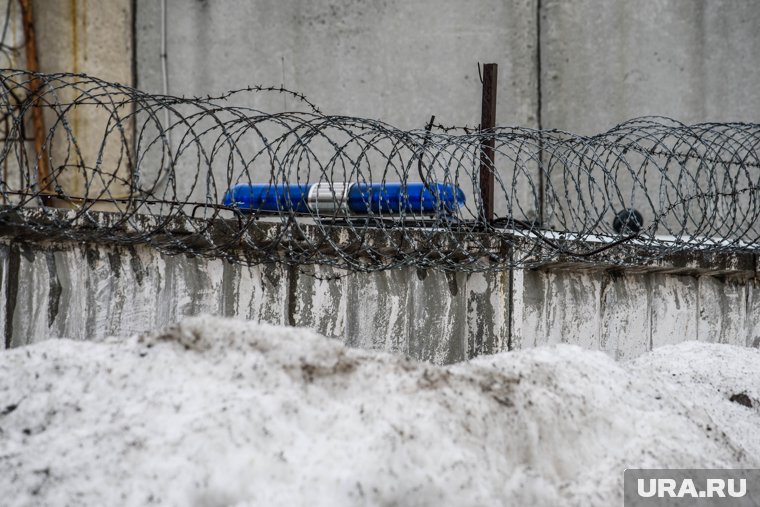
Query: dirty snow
<point x="218" y="412"/>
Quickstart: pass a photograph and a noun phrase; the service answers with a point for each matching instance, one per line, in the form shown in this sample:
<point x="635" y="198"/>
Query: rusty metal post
<point x="32" y="64"/>
<point x="487" y="144"/>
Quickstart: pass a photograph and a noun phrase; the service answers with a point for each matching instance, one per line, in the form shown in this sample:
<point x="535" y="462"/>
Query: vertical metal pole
<point x="32" y="64"/>
<point x="488" y="144"/>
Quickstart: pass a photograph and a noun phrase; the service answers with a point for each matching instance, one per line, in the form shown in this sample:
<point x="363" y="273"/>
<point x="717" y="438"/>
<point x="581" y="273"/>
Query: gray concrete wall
<point x="95" y="38"/>
<point x="606" y="62"/>
<point x="600" y="62"/>
<point x="395" y="60"/>
<point x="577" y="65"/>
<point x="629" y="314"/>
<point x="86" y="291"/>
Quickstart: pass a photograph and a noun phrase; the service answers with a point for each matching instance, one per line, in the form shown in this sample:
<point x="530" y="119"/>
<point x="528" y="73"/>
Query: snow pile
<point x="218" y="412"/>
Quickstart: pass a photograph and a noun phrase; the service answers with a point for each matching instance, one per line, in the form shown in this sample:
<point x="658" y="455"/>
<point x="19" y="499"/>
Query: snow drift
<point x="216" y="412"/>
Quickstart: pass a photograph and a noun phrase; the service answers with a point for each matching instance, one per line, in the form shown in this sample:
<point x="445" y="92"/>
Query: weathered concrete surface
<point x="628" y="314"/>
<point x="556" y="307"/>
<point x="95" y="38"/>
<point x="63" y="281"/>
<point x="12" y="177"/>
<point x="85" y="36"/>
<point x="82" y="291"/>
<point x="603" y="63"/>
<point x="606" y="62"/>
<point x="428" y="315"/>
<point x="397" y="61"/>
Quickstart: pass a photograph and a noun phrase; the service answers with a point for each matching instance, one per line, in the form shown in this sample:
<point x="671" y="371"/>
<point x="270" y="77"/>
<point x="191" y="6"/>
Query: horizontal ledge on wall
<point x="365" y="248"/>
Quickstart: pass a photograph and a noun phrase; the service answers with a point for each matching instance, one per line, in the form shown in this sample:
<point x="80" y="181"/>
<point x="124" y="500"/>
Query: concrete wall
<point x="629" y="314"/>
<point x="77" y="36"/>
<point x="577" y="65"/>
<point x="86" y="291"/>
<point x="395" y="60"/>
<point x="606" y="62"/>
<point x="600" y="62"/>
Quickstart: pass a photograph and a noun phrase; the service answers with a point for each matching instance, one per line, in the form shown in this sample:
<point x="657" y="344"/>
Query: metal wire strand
<point x="130" y="167"/>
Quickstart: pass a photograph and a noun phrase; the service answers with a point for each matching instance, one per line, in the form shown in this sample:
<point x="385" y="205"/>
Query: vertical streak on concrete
<point x="710" y="321"/>
<point x="55" y="288"/>
<point x="625" y="317"/>
<point x="650" y="313"/>
<point x="511" y="302"/>
<point x="4" y="275"/>
<point x="518" y="302"/>
<point x="531" y="298"/>
<point x="699" y="309"/>
<point x="229" y="301"/>
<point x="31" y="297"/>
<point x="320" y="300"/>
<point x="750" y="310"/>
<point x="267" y="287"/>
<point x="488" y="320"/>
<point x="674" y="303"/>
<point x="290" y="302"/>
<point x="438" y="314"/>
<point x="3" y="289"/>
<point x="604" y="285"/>
<point x="753" y="324"/>
<point x="13" y="263"/>
<point x="377" y="315"/>
<point x="732" y="304"/>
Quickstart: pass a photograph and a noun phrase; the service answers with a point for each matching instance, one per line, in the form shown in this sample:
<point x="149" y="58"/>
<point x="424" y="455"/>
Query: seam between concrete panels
<point x="539" y="121"/>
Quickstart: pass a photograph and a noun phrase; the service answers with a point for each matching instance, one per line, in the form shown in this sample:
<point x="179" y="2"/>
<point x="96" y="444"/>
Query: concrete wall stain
<point x="136" y="264"/>
<point x="92" y="255"/>
<point x="54" y="293"/>
<point x="14" y="262"/>
<point x="438" y="317"/>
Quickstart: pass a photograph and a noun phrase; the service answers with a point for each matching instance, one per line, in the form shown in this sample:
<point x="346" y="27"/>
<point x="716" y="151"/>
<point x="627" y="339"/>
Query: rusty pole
<point x="32" y="64"/>
<point x="487" y="145"/>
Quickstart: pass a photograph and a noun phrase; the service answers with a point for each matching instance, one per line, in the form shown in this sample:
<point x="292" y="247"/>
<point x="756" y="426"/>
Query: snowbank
<point x="221" y="412"/>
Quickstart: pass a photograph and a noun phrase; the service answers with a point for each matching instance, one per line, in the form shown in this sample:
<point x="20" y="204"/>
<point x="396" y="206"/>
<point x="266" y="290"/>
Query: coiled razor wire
<point x="120" y="165"/>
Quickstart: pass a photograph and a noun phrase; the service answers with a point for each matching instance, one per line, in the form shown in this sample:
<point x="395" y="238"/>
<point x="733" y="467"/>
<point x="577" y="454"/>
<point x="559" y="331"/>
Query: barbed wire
<point x="218" y="176"/>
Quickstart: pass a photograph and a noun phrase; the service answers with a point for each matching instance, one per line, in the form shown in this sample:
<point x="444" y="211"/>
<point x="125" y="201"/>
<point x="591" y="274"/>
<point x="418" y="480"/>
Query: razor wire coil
<point x="120" y="165"/>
